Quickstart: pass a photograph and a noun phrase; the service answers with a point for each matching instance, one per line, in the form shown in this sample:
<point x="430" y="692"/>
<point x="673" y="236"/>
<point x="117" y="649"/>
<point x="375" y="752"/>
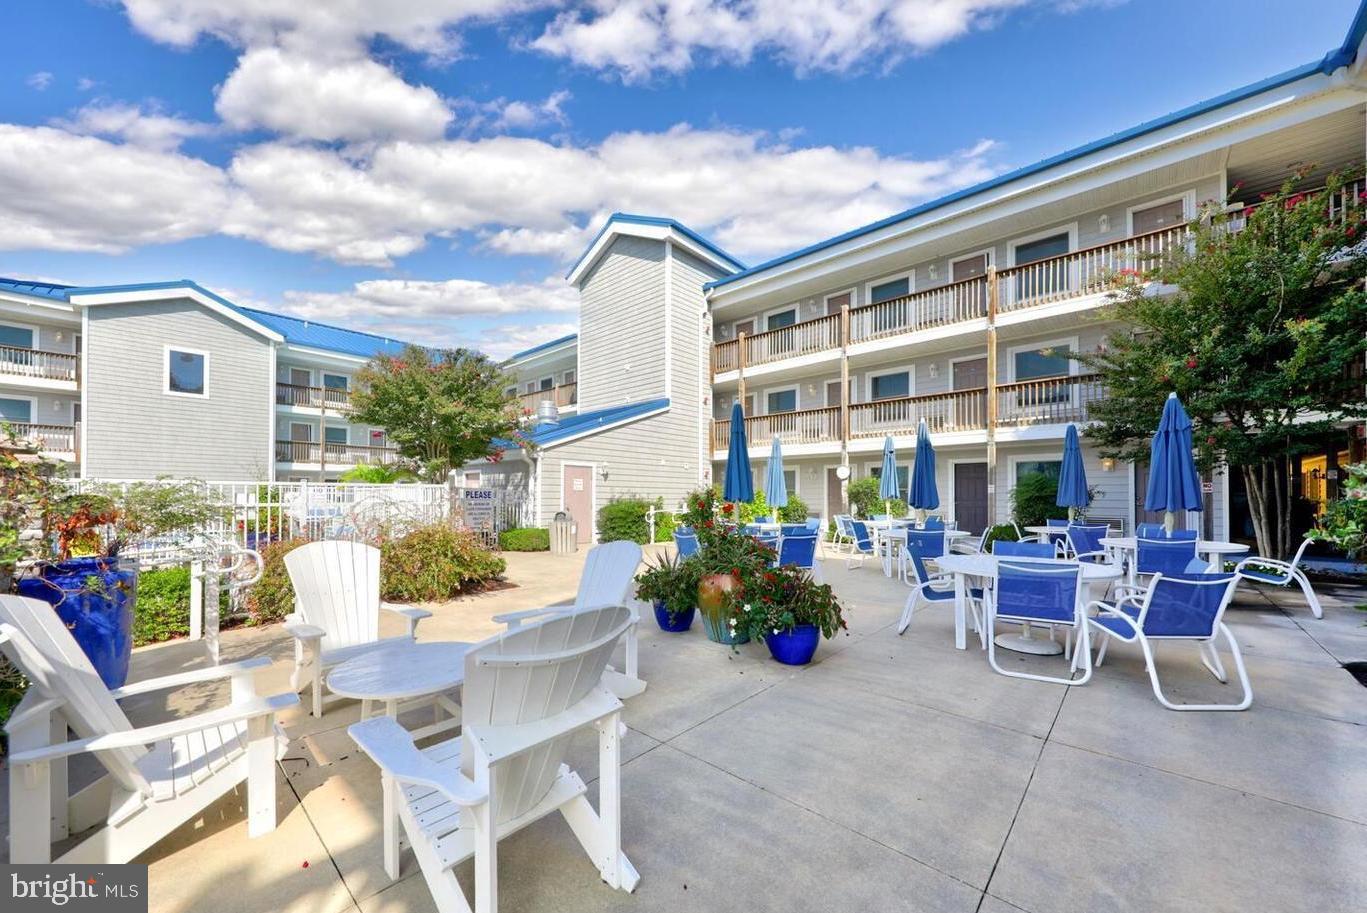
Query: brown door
<point x="577" y="496"/>
<point x="836" y="302"/>
<point x="834" y="503"/>
<point x="970" y="374"/>
<point x="970" y="496"/>
<point x="745" y="326"/>
<point x="1141" y="487"/>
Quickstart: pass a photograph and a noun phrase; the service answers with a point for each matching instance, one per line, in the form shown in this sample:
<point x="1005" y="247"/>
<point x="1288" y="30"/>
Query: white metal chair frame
<point x="457" y="799"/>
<point x="1210" y="656"/>
<point x="1079" y="656"/>
<point x="157" y="777"/>
<point x="1281" y="574"/>
<point x="927" y="590"/>
<point x="337" y="600"/>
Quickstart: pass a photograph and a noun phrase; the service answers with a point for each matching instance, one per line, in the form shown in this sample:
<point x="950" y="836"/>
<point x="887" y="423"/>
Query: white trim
<point x="465" y="478"/>
<point x="270" y="414"/>
<point x="32" y="407"/>
<point x="593" y="493"/>
<point x="948" y="508"/>
<point x="796" y="308"/>
<point x="32" y="328"/>
<point x="172" y="294"/>
<point x="166" y="390"/>
<point x="1067" y="227"/>
<point x="615" y="229"/>
<point x="14" y="302"/>
<point x="797" y="398"/>
<point x="909" y="275"/>
<point x="953" y="361"/>
<point x="85" y="386"/>
<point x="852" y="291"/>
<point x="559" y="349"/>
<point x="1071" y="341"/>
<point x="1188" y="198"/>
<point x="599" y="429"/>
<point x="325" y="356"/>
<point x="291" y="425"/>
<point x="909" y="370"/>
<point x="990" y="252"/>
<point x="669" y="318"/>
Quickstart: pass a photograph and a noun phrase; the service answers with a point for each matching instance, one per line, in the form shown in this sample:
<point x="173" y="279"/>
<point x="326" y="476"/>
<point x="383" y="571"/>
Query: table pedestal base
<point x="1025" y="643"/>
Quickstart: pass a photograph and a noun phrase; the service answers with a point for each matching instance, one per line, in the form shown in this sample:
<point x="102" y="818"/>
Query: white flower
<point x="747" y="607"/>
<point x="775" y="630"/>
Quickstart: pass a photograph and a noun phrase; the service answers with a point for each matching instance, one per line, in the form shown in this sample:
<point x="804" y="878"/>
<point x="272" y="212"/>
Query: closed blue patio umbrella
<point x="1173" y="482"/>
<point x="922" y="493"/>
<point x="738" y="484"/>
<point x="888" y="488"/>
<point x="775" y="486"/>
<point x="1072" y="476"/>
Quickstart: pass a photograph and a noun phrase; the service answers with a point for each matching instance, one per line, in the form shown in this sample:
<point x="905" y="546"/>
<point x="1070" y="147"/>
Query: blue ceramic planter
<point x="676" y="623"/>
<point x="795" y="647"/>
<point x="720" y="633"/>
<point x="94" y="598"/>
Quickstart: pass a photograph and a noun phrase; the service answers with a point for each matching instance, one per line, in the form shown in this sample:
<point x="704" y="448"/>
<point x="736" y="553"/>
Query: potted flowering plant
<point x="671" y="585"/>
<point x="725" y="558"/>
<point x="789" y="610"/>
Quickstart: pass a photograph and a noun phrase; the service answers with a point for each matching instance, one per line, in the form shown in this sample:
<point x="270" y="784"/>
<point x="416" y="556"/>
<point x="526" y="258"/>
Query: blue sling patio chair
<point x="1180" y="607"/>
<point x="793" y="529"/>
<point x="1024" y="549"/>
<point x="800" y="551"/>
<point x="1162" y="556"/>
<point x="1084" y="542"/>
<point x="930" y="543"/>
<point x="1044" y="593"/>
<point x="861" y="543"/>
<point x="932" y="588"/>
<point x="1279" y="573"/>
<point x="1184" y="535"/>
<point x="1150" y="531"/>
<point x="843" y="536"/>
<point x="934" y="521"/>
<point x="687" y="541"/>
<point x="813" y="524"/>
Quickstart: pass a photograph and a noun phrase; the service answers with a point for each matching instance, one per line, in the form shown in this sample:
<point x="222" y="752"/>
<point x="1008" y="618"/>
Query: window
<point x="473" y="479"/>
<point x="531" y="386"/>
<point x="567" y="378"/>
<point x="903" y="476"/>
<point x="1041" y="248"/>
<point x="301" y="431"/>
<point x="973" y="267"/>
<point x="890" y="386"/>
<point x="16" y="337"/>
<point x="781" y="401"/>
<point x="301" y="377"/>
<point x="1046" y="361"/>
<point x="893" y="288"/>
<point x="336" y="434"/>
<point x="335" y="381"/>
<point x="546" y="383"/>
<point x="1044" y="280"/>
<point x="781" y="319"/>
<point x="835" y="302"/>
<point x="1161" y="215"/>
<point x="790" y="480"/>
<point x="511" y="391"/>
<point x="1050" y="468"/>
<point x="187" y="372"/>
<point x="16" y="410"/>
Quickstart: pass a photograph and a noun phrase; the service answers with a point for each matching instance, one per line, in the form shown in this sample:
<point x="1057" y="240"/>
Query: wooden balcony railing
<point x="805" y="338"/>
<point x="335" y="399"/>
<point x="960" y="410"/>
<point x="1048" y="401"/>
<point x="331" y="454"/>
<point x="1083" y="272"/>
<point x="563" y="395"/>
<point x="806" y="426"/>
<point x="956" y="302"/>
<point x="39" y="364"/>
<point x="48" y="438"/>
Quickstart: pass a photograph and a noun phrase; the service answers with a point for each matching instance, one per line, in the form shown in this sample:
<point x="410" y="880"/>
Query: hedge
<point x="625" y="519"/>
<point x="525" y="539"/>
<point x="162" y="610"/>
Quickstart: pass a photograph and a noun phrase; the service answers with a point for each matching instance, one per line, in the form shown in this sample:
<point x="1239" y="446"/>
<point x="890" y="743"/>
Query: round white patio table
<point x="885" y="532"/>
<point x="405" y="675"/>
<point x="961" y="567"/>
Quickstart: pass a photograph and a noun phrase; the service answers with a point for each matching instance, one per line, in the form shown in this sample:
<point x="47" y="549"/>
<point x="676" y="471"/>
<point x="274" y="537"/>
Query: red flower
<point x="727" y="508"/>
<point x="1191" y="362"/>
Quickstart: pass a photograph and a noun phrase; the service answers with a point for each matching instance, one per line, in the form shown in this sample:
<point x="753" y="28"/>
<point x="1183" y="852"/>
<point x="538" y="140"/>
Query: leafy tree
<point x="372" y="474"/>
<point x="1263" y="340"/>
<point x="441" y="408"/>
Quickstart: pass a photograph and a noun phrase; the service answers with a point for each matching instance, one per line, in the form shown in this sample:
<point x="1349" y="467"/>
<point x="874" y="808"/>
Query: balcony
<point x="1090" y="271"/>
<point x="806" y="426"/>
<point x="61" y="439"/>
<point x="35" y="364"/>
<point x="333" y="399"/>
<point x="960" y="410"/>
<point x="1048" y="401"/>
<point x="563" y="396"/>
<point x="312" y="452"/>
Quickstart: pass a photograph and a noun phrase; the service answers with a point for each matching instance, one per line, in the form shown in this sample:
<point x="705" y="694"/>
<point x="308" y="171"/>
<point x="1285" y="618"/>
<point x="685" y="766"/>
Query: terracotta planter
<point x="712" y="591"/>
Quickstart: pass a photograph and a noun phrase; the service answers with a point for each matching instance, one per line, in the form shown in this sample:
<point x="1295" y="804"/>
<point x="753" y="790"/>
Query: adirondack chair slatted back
<point x="337" y="588"/>
<point x="560" y="660"/>
<point x="50" y="657"/>
<point x="609" y="575"/>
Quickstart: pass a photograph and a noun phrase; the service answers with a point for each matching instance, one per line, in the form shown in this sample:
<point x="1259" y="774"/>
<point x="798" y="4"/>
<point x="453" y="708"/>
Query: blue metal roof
<point x="545" y="345"/>
<point x="37" y="289"/>
<point x="588" y="422"/>
<point x="660" y="221"/>
<point x="1336" y="58"/>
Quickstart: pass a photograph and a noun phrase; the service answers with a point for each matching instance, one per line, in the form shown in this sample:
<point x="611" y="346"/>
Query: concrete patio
<point x="895" y="773"/>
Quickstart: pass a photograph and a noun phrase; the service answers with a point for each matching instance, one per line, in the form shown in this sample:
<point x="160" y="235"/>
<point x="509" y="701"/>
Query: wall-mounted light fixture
<point x="934" y="369"/>
<point x="1103" y="223"/>
<point x="603" y="472"/>
<point x="933" y="271"/>
<point x="1107" y="464"/>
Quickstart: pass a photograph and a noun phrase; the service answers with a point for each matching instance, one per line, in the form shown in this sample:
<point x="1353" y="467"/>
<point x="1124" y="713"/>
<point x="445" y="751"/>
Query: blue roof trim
<point x="53" y="290"/>
<point x="659" y="221"/>
<point x="588" y="422"/>
<point x="1331" y="62"/>
<point x="534" y="349"/>
<point x="1345" y="54"/>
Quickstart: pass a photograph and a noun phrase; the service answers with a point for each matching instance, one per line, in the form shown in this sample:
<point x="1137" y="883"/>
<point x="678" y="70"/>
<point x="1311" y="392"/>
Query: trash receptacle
<point x="563" y="538"/>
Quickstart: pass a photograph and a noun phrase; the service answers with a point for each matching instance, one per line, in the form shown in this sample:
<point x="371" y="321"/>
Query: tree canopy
<point x="1263" y="339"/>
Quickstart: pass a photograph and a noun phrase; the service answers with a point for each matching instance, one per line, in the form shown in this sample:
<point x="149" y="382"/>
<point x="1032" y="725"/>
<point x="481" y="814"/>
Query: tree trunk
<point x="1268" y="485"/>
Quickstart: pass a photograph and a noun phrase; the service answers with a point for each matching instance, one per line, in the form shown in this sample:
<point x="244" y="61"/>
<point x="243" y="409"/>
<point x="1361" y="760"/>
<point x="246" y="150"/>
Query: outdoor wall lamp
<point x="1107" y="464"/>
<point x="934" y="369"/>
<point x="603" y="473"/>
<point x="1103" y="223"/>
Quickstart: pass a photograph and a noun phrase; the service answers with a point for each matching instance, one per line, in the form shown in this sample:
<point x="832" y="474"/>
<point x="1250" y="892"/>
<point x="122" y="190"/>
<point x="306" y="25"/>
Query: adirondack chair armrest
<point x="514" y="619"/>
<point x="301" y="631"/>
<point x="500" y="742"/>
<point x="246" y="668"/>
<point x="160" y="732"/>
<point x="412" y="613"/>
<point x="391" y="748"/>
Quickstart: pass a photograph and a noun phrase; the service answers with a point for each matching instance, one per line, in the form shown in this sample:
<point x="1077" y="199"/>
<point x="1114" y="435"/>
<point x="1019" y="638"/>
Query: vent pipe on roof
<point x="547" y="413"/>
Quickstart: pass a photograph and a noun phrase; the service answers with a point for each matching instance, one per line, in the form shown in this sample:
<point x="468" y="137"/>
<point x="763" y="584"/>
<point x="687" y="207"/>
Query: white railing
<point x="37" y="363"/>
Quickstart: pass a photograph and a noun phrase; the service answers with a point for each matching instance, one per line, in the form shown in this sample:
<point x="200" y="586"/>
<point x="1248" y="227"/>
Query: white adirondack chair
<point x="526" y="692"/>
<point x="337" y="609"/>
<point x="609" y="578"/>
<point x="158" y="776"/>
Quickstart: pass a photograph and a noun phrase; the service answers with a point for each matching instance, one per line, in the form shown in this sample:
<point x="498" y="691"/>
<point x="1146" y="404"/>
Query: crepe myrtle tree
<point x="439" y="407"/>
<point x="1263" y="339"/>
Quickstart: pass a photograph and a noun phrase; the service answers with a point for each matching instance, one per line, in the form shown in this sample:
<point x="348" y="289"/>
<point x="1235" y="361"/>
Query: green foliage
<point x="1344" y="522"/>
<point x="525" y="539"/>
<point x="670" y="580"/>
<point x="795" y="511"/>
<point x="387" y="474"/>
<point x="625" y="519"/>
<point x="1004" y="532"/>
<point x="1032" y="500"/>
<point x="435" y="563"/>
<point x="150" y="509"/>
<point x="272" y="597"/>
<point x="865" y="500"/>
<point x="781" y="598"/>
<point x="700" y="506"/>
<point x="441" y="409"/>
<point x="162" y="610"/>
<point x="747" y="511"/>
<point x="1261" y="342"/>
<point x="13" y="684"/>
<point x="26" y="491"/>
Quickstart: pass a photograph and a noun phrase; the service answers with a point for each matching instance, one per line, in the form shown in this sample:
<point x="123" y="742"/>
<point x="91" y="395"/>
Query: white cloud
<point x="85" y="84"/>
<point x="504" y="341"/>
<point x="348" y="99"/>
<point x="637" y="38"/>
<point x="39" y="81"/>
<point x="145" y="196"/>
<point x="522" y="115"/>
<point x="148" y="128"/>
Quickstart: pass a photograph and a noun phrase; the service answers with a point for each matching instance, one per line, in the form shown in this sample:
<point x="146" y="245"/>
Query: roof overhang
<point x="621" y="225"/>
<point x="543" y="353"/>
<point x="660" y="409"/>
<point x="169" y="291"/>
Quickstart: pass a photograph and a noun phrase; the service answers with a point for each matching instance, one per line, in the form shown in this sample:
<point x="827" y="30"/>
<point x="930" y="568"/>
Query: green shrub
<point x="757" y="507"/>
<point x="624" y="519"/>
<point x="864" y="498"/>
<point x="272" y="597"/>
<point x="163" y="607"/>
<point x="434" y="563"/>
<point x="795" y="511"/>
<point x="1032" y="500"/>
<point x="1003" y="531"/>
<point x="525" y="539"/>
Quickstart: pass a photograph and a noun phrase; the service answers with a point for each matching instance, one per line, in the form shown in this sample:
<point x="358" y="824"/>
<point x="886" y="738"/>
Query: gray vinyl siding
<point x="508" y="475"/>
<point x="621" y="325"/>
<point x="134" y="430"/>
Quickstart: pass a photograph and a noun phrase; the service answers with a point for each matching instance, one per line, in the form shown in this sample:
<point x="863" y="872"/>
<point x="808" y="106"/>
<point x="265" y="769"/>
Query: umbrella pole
<point x="1169" y="522"/>
<point x="1072" y="514"/>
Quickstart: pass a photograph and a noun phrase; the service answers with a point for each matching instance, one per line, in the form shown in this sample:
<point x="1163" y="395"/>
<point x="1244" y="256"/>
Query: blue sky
<point x="428" y="173"/>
